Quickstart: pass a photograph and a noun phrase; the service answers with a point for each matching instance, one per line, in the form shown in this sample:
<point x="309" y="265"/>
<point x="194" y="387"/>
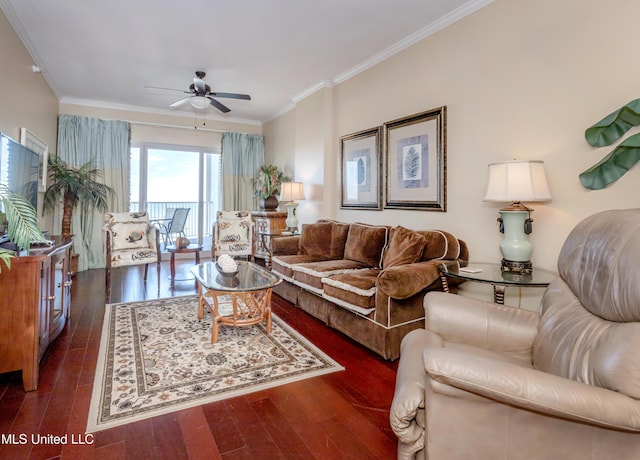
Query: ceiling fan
<point x="200" y="95"/>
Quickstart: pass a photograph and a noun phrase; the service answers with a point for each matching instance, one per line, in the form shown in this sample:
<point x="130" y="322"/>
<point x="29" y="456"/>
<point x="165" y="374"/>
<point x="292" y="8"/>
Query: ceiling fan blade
<point x="221" y="107"/>
<point x="180" y="102"/>
<point x="199" y="84"/>
<point x="246" y="97"/>
<point x="167" y="89"/>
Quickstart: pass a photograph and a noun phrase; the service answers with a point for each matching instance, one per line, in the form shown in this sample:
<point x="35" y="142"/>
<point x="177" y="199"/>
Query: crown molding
<point x="443" y="22"/>
<point x="131" y="108"/>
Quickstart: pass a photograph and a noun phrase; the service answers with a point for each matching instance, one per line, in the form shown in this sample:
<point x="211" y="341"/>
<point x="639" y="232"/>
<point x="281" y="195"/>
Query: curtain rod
<point x="165" y="125"/>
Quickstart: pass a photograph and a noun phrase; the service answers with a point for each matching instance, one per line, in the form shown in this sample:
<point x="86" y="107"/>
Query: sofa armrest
<point x="406" y="416"/>
<point x="482" y="324"/>
<point x="534" y="390"/>
<point x="403" y="281"/>
<point x="285" y="245"/>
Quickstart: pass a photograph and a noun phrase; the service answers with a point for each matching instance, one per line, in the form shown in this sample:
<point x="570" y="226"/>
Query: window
<point x="168" y="176"/>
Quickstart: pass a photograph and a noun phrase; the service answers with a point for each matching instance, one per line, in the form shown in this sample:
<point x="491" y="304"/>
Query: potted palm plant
<point x="75" y="187"/>
<point x="22" y="223"/>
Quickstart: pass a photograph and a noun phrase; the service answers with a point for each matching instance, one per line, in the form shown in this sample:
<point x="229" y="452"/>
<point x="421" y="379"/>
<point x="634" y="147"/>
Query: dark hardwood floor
<point x="340" y="415"/>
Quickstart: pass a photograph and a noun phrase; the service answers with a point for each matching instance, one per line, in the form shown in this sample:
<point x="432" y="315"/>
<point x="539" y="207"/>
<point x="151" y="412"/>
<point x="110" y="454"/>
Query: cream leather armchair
<point x="485" y="381"/>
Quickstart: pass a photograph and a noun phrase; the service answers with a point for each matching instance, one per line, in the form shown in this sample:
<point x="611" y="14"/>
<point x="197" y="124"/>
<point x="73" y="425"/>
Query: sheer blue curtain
<point x="242" y="156"/>
<point x="105" y="143"/>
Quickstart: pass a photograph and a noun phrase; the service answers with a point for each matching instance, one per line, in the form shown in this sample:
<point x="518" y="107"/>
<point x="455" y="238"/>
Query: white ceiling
<point x="107" y="52"/>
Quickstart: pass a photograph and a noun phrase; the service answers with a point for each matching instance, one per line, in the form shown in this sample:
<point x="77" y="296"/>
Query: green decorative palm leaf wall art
<point x="624" y="156"/>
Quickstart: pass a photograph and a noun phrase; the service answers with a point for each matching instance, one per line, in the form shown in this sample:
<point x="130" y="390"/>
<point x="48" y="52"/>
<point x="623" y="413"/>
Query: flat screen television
<point x="19" y="169"/>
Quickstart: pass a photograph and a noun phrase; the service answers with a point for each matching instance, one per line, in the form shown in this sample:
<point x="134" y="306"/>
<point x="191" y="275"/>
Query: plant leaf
<point x="23" y="221"/>
<point x="613" y="126"/>
<point x="613" y="166"/>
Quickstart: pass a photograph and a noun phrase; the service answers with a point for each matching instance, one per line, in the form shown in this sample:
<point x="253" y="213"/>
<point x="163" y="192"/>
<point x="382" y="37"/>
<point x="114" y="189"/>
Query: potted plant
<point x="21" y="220"/>
<point x="74" y="186"/>
<point x="267" y="185"/>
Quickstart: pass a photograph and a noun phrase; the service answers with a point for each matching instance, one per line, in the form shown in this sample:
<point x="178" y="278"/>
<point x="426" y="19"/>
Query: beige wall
<point x="26" y="101"/>
<point x="521" y="79"/>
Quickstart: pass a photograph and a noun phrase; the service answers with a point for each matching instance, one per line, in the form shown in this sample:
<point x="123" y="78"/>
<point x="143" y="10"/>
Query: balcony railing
<point x="157" y="210"/>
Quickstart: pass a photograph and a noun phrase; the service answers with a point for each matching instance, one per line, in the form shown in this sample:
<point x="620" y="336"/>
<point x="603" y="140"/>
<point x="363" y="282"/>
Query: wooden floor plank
<point x="338" y="415"/>
<point x="198" y="439"/>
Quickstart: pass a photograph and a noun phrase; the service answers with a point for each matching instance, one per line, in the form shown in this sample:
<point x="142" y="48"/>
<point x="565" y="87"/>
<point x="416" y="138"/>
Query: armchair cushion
<point x="233" y="233"/>
<point x="587" y="348"/>
<point x="131" y="239"/>
<point x="481" y="324"/>
<point x="128" y="235"/>
<point x="233" y="227"/>
<point x="531" y="389"/>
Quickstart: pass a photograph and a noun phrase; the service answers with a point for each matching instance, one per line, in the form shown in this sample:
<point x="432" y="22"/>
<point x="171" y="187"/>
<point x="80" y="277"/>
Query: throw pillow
<point x="405" y="247"/>
<point x="365" y="244"/>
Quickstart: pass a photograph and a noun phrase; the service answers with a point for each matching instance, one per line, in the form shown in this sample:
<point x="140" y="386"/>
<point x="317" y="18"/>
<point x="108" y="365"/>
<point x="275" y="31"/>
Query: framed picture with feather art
<point x="361" y="170"/>
<point x="415" y="154"/>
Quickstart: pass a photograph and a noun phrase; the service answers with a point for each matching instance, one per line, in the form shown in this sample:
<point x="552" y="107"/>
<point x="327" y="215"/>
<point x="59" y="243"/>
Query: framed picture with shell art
<point x="415" y="161"/>
<point x="361" y="170"/>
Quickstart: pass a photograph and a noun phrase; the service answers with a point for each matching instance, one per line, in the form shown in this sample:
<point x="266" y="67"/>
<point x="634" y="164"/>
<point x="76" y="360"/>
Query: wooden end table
<point x="173" y="250"/>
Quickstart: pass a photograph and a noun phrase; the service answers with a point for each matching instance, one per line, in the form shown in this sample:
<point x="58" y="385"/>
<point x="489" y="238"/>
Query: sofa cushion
<point x="323" y="238"/>
<point x="315" y="239"/>
<point x="365" y="244"/>
<point x="354" y="291"/>
<point x="283" y="265"/>
<point x="405" y="247"/>
<point x="310" y="275"/>
<point x="440" y="245"/>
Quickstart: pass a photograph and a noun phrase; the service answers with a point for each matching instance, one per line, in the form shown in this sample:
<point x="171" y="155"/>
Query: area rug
<point x="156" y="357"/>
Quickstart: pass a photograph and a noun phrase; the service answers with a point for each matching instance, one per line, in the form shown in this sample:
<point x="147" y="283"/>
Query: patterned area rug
<point x="156" y="357"/>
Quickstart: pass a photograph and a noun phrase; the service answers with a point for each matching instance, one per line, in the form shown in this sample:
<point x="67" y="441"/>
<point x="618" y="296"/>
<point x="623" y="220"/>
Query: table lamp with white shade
<point x="289" y="192"/>
<point x="515" y="182"/>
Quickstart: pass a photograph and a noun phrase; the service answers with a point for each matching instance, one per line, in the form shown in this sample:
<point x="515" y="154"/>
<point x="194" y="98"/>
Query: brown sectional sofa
<point x="366" y="281"/>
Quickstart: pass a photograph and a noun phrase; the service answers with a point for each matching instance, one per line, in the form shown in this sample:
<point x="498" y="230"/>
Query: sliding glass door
<point x="165" y="177"/>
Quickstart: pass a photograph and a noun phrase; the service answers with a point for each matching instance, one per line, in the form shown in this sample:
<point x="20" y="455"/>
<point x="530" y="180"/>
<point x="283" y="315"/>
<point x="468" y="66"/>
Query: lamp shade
<point x="291" y="191"/>
<point x="199" y="102"/>
<point x="517" y="181"/>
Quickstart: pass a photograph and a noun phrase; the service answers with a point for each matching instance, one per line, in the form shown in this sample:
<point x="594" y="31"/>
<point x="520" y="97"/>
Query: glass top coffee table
<point x="239" y="299"/>
<point x="492" y="274"/>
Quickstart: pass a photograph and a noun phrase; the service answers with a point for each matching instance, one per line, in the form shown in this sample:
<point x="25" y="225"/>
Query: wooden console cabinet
<point x="35" y="296"/>
<point x="267" y="223"/>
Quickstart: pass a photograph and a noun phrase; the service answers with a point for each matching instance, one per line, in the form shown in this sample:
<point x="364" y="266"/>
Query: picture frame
<point x="415" y="152"/>
<point x="32" y="142"/>
<point x="361" y="170"/>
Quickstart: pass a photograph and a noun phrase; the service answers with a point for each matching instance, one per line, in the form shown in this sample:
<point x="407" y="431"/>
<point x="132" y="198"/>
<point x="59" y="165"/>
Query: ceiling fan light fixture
<point x="199" y="102"/>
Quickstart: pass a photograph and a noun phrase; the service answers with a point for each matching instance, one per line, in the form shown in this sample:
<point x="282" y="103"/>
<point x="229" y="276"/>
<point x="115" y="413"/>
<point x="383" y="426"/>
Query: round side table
<point x="173" y="250"/>
<point x="491" y="273"/>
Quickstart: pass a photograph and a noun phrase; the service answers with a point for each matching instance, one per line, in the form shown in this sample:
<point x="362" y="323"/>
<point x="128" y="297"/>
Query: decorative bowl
<point x="226" y="273"/>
